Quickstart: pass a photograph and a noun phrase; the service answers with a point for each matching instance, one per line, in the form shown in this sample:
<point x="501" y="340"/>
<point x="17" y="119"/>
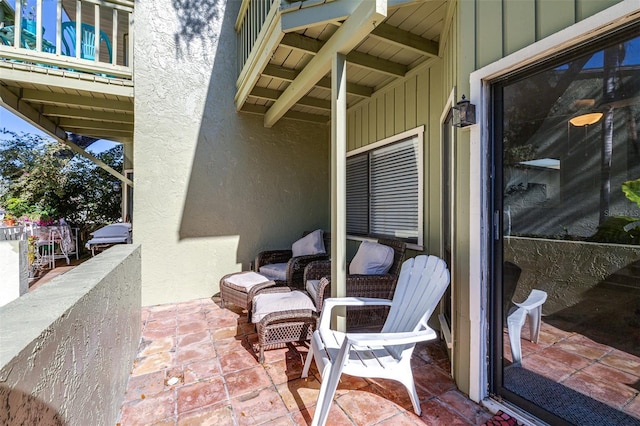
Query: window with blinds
<point x="384" y="189"/>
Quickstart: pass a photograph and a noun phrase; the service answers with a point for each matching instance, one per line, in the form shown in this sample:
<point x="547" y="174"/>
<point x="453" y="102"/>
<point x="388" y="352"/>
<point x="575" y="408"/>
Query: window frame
<point x="417" y="133"/>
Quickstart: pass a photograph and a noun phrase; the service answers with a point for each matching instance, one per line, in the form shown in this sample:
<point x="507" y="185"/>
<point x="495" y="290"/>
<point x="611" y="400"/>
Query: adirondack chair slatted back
<point x="422" y="282"/>
<point x="88" y="37"/>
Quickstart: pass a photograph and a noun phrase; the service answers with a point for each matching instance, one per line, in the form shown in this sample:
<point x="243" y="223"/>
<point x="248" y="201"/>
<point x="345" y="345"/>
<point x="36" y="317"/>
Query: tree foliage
<point x="40" y="177"/>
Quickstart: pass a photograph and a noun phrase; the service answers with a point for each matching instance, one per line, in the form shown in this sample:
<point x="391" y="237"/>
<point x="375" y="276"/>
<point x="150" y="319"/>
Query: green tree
<point x="42" y="177"/>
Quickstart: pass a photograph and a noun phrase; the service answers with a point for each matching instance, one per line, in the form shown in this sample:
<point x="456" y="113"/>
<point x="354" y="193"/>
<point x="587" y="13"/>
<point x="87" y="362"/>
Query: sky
<point x="12" y="122"/>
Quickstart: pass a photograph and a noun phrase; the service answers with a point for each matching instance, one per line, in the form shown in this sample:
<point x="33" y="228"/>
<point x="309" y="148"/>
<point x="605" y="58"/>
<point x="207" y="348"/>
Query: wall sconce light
<point x="464" y="113"/>
<point x="586" y="119"/>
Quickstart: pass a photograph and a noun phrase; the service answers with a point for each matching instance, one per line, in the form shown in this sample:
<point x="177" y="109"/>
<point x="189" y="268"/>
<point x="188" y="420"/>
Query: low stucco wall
<point x="566" y="270"/>
<point x="66" y="349"/>
<point x="13" y="270"/>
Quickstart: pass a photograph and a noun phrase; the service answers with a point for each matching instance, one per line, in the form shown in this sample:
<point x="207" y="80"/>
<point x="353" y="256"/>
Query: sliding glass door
<point x="566" y="201"/>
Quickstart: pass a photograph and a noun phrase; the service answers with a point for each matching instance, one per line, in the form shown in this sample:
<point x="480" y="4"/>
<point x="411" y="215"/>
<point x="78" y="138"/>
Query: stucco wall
<point x="212" y="186"/>
<point x="67" y="348"/>
<point x="566" y="270"/>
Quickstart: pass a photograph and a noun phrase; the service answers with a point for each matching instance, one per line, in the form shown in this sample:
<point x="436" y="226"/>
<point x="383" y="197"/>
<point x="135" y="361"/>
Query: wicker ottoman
<point x="283" y="316"/>
<point x="240" y="287"/>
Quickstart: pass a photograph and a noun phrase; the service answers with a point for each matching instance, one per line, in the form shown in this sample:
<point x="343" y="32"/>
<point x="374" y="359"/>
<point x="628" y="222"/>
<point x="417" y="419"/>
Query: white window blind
<point x="383" y="190"/>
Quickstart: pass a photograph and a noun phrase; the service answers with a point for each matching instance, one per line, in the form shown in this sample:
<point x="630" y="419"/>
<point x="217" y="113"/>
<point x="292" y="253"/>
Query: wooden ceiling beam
<point x="405" y="40"/>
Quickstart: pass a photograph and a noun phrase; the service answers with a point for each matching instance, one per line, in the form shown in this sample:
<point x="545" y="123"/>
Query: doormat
<point x="502" y="419"/>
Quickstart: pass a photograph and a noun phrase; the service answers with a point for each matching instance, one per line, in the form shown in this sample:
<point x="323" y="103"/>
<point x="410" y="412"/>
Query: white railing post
<point x="78" y="28"/>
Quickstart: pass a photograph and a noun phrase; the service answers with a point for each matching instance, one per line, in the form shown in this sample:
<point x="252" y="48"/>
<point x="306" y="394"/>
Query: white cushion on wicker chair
<point x="266" y="303"/>
<point x="312" y="243"/>
<point x="371" y="259"/>
<point x="275" y="271"/>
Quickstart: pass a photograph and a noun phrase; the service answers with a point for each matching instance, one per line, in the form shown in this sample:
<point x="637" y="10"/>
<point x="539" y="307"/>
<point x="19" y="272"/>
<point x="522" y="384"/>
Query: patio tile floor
<point x="197" y="365"/>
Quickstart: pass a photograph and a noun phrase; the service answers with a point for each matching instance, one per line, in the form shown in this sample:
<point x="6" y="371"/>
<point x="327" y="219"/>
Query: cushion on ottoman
<point x="243" y="281"/>
<point x="266" y="303"/>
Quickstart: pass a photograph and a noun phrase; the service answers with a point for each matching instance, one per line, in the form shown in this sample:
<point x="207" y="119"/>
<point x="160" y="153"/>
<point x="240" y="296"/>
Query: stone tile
<point x="190" y="307"/>
<point x="236" y="361"/>
<point x="602" y="390"/>
<point x="201" y="394"/>
<point x="194" y="353"/>
<point x="214" y="415"/>
<point x="284" y="370"/>
<point x="150" y="410"/>
<point x="221" y="322"/>
<point x="230" y="344"/>
<point x="161" y="324"/>
<point x="623" y="361"/>
<point x="144" y="385"/>
<point x="151" y="363"/>
<point x="201" y="370"/>
<point x="258" y="407"/>
<point x="584" y="347"/>
<point x="158" y="334"/>
<point x="433" y="380"/>
<point x="401" y="419"/>
<point x="247" y="381"/>
<point x="612" y="374"/>
<point x="161" y="315"/>
<point x="435" y="413"/>
<point x="459" y="403"/>
<point x="559" y="354"/>
<point x="548" y="368"/>
<point x="396" y="392"/>
<point x="299" y="394"/>
<point x="191" y="325"/>
<point x="633" y="408"/>
<point x="365" y="406"/>
<point x="190" y="339"/>
<point x="336" y="417"/>
<point x="161" y="308"/>
<point x="163" y="344"/>
<point x="223" y="332"/>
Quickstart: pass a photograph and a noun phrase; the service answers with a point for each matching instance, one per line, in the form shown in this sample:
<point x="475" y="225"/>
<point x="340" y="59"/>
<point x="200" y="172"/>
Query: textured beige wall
<point x="66" y="350"/>
<point x="566" y="270"/>
<point x="212" y="186"/>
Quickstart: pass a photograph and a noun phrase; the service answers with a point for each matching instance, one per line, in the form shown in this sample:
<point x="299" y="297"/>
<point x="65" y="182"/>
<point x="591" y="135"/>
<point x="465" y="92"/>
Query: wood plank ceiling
<point x="409" y="36"/>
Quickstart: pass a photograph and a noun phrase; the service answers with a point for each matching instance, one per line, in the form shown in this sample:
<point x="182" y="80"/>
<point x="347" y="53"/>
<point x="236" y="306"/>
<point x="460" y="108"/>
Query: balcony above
<point x="285" y="51"/>
<point x="56" y="73"/>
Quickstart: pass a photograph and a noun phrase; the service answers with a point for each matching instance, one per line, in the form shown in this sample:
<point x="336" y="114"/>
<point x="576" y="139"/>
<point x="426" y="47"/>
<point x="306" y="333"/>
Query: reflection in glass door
<point x="566" y="285"/>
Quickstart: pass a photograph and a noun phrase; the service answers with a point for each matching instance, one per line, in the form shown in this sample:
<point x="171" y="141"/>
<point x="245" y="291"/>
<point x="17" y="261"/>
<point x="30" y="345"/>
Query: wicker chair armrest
<point x="317" y="269"/>
<point x="266" y="287"/>
<point x="272" y="256"/>
<point x="297" y="266"/>
<point x="377" y="286"/>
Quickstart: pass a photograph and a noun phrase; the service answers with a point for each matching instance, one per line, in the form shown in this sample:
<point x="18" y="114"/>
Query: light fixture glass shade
<point x="586" y="119"/>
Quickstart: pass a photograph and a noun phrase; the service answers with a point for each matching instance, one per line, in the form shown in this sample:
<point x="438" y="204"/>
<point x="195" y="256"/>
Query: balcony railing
<point x="91" y="36"/>
<point x="254" y="15"/>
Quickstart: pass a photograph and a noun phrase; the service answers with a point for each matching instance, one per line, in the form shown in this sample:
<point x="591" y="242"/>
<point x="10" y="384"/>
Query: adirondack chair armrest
<point x="390" y="339"/>
<point x="332" y="302"/>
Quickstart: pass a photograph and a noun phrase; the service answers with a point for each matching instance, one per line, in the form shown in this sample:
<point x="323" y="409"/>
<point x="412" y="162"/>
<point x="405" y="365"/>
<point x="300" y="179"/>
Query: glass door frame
<point x="480" y="199"/>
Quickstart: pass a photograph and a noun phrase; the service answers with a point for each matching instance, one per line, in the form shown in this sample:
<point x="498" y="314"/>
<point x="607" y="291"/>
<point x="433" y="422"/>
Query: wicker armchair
<point x="295" y="275"/>
<point x="379" y="286"/>
<point x="295" y="265"/>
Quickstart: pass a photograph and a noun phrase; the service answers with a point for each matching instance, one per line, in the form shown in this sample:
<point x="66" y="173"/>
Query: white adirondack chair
<point x="387" y="354"/>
